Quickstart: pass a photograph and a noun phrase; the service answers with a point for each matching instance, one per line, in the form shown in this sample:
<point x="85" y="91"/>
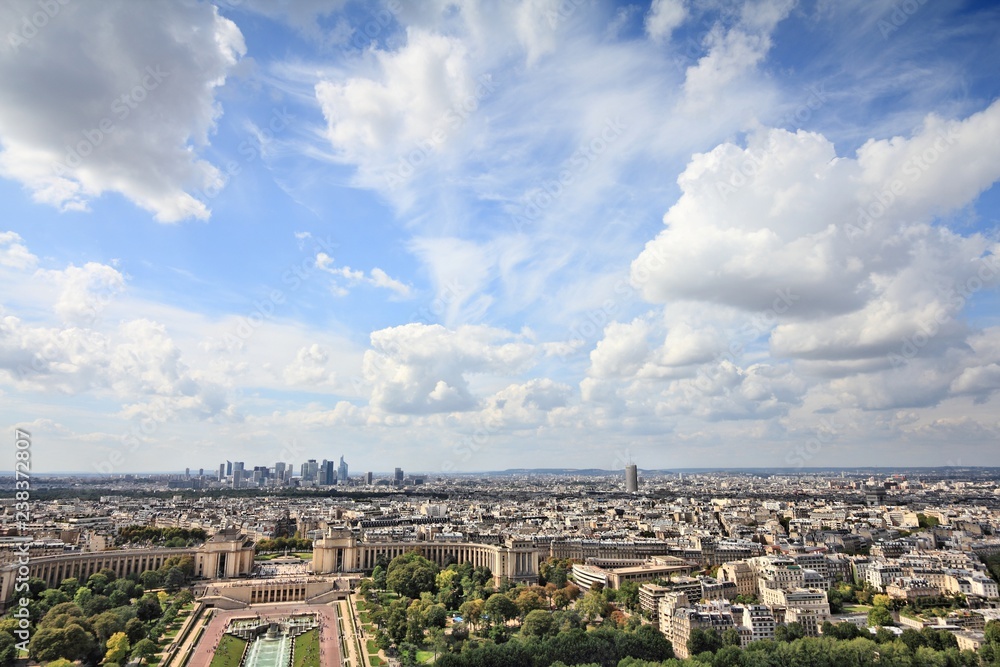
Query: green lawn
<point x="856" y="609"/>
<point x="424" y="657"/>
<point x="375" y="661"/>
<point x="229" y="653"/>
<point x="361" y="605"/>
<point x="372" y="646"/>
<point x="307" y="650"/>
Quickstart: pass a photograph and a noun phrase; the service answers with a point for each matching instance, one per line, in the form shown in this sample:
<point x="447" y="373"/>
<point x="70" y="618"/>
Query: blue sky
<point x="463" y="236"/>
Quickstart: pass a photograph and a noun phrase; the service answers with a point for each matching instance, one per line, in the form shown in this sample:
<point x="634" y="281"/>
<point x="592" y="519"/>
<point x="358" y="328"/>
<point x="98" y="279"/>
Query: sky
<point x="454" y="236"/>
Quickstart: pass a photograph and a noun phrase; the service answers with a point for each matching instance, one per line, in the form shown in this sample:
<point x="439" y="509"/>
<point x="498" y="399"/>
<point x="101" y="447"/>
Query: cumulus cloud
<point x="115" y="97"/>
<point x="525" y="406"/>
<point x="786" y="228"/>
<point x="13" y="253"/>
<point x="409" y="100"/>
<point x="834" y="263"/>
<point x="84" y="291"/>
<point x="138" y="364"/>
<point x="309" y="366"/>
<point x="417" y="368"/>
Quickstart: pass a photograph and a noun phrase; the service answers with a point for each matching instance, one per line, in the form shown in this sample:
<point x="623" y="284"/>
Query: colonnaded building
<point x="229" y="555"/>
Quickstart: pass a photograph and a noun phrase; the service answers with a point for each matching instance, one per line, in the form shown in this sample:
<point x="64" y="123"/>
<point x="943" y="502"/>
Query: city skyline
<point x="473" y="236"/>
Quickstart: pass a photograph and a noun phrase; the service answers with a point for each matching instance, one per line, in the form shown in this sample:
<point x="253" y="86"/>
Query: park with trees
<point x="103" y="620"/>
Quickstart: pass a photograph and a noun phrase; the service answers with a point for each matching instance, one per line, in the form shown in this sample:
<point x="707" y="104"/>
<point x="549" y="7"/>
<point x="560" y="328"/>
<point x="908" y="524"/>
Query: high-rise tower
<point x="631" y="478"/>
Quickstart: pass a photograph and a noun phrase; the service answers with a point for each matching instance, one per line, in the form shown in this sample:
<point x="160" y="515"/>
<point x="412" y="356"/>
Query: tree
<point x="879" y="616"/>
<point x="118" y="648"/>
<point x="97" y="583"/>
<point x="148" y="609"/>
<point x="411" y="574"/>
<point x="135" y="630"/>
<point x="51" y="597"/>
<point x="593" y="605"/>
<point x="437" y="641"/>
<point x="529" y="600"/>
<point x="628" y="595"/>
<point x="435" y="616"/>
<point x="174" y="580"/>
<point x="8" y="648"/>
<point x="500" y="609"/>
<point x="69" y="586"/>
<point x="144" y="650"/>
<point x="700" y="641"/>
<point x="537" y="623"/>
<point x="472" y="612"/>
<point x="151" y="579"/>
<point x="105" y="625"/>
<point x="731" y="637"/>
<point x="378" y="577"/>
<point x="72" y="642"/>
<point x="82" y="597"/>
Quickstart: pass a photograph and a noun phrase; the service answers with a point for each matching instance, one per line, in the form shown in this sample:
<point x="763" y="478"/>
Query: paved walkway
<point x="189" y="639"/>
<point x="329" y="637"/>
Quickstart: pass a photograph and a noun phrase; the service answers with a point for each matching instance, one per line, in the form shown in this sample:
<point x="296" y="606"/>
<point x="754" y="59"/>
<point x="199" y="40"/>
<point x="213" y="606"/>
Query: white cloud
<point x="309" y="366"/>
<point x="664" y="17"/>
<point x="773" y="229"/>
<point x="115" y="98"/>
<point x="84" y="291"/>
<point x="733" y="52"/>
<point x="417" y="368"/>
<point x="350" y="278"/>
<point x="408" y="102"/>
<point x="15" y="254"/>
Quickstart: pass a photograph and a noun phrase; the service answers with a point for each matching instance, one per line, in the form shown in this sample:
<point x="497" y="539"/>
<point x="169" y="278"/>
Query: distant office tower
<point x="187" y="472"/>
<point x="397" y="477"/>
<point x="222" y="471"/>
<point x="327" y="473"/>
<point x="237" y="477"/>
<point x="229" y="468"/>
<point x="201" y="472"/>
<point x="342" y="470"/>
<point x="369" y="477"/>
<point x="238" y="466"/>
<point x="279" y="470"/>
<point x="631" y="478"/>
